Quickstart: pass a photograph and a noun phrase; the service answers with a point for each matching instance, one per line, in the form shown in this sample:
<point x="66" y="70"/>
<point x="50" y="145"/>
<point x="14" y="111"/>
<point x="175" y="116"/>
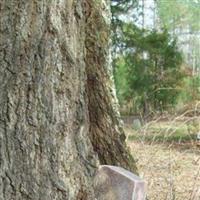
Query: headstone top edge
<point x="123" y="171"/>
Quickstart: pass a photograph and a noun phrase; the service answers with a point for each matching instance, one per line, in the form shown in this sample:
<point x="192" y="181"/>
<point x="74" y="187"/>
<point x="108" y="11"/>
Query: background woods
<point x="157" y="76"/>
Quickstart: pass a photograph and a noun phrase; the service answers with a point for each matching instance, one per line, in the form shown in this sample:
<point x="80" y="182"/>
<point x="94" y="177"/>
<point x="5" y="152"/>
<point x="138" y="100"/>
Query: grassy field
<point x="168" y="157"/>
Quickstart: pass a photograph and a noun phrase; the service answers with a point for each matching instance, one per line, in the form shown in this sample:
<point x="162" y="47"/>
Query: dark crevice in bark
<point x="105" y="132"/>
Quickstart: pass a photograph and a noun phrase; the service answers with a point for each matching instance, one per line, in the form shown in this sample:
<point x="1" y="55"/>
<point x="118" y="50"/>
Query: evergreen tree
<point x="151" y="63"/>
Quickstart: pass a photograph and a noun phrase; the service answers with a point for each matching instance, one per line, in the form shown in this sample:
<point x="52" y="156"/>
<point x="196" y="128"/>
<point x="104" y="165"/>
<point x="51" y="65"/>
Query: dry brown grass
<point x="170" y="168"/>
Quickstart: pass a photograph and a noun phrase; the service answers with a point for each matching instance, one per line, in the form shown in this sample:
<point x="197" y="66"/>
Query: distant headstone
<point x="198" y="136"/>
<point x="116" y="183"/>
<point x="136" y="124"/>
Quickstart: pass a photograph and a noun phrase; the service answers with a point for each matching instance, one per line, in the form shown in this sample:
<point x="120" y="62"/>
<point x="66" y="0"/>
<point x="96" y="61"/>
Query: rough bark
<point x="56" y="118"/>
<point x="106" y="133"/>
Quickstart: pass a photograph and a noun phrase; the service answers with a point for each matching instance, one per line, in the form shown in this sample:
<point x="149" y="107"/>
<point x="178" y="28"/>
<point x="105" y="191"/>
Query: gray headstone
<point x="137" y="124"/>
<point x="198" y="136"/>
<point x="116" y="183"/>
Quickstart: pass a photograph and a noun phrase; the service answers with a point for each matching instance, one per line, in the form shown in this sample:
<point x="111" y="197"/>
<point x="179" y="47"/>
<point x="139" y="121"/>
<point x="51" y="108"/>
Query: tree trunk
<point x="58" y="121"/>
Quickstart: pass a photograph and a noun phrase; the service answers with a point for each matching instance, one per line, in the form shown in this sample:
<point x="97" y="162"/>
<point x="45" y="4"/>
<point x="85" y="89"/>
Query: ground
<point x="168" y="157"/>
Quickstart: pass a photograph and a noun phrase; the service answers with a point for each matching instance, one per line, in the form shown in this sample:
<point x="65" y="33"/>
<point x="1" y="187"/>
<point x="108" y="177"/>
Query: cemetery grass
<point x="168" y="157"/>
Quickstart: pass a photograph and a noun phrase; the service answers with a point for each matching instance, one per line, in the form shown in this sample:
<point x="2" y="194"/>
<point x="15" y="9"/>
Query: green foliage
<point x="122" y="6"/>
<point x="179" y="14"/>
<point x="150" y="67"/>
<point x="181" y="17"/>
<point x="120" y="9"/>
<point x="191" y="90"/>
<point x="120" y="80"/>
